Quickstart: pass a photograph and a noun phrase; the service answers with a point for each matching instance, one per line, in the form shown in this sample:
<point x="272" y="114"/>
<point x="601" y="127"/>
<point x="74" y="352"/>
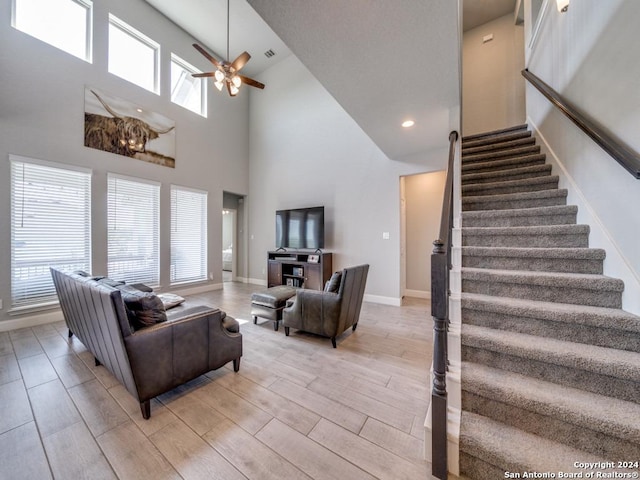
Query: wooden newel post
<point x="439" y="311"/>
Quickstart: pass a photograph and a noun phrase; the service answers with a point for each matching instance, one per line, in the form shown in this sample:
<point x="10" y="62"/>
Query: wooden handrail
<point x="440" y="268"/>
<point x="615" y="147"/>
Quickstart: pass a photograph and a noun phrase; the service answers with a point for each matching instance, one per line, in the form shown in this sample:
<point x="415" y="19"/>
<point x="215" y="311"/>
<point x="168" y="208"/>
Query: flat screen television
<point x="300" y="228"/>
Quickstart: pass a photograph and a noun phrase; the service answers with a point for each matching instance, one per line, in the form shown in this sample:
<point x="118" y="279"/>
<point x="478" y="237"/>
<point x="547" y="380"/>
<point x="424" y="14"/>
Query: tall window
<point x="50" y="226"/>
<point x="65" y="24"/>
<point x="133" y="220"/>
<point x="186" y="91"/>
<point x="188" y="235"/>
<point x="133" y="56"/>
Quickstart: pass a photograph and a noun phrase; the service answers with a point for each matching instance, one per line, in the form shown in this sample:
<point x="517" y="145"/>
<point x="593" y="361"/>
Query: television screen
<point x="300" y="228"/>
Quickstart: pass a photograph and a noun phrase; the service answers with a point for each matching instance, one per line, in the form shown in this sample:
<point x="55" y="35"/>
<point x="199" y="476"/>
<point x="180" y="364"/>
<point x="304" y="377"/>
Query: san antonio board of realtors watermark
<point x="586" y="470"/>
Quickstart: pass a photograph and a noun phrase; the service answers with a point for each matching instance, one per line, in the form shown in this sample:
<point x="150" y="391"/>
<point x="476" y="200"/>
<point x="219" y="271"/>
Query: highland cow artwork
<point x="118" y="126"/>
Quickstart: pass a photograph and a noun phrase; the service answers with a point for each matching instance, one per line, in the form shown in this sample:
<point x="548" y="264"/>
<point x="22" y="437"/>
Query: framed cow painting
<point x="121" y="127"/>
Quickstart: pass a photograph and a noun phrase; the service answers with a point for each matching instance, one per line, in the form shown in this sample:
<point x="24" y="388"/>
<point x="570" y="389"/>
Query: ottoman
<point x="269" y="303"/>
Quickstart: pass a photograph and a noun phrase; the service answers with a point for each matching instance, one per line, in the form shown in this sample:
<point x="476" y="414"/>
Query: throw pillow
<point x="143" y="308"/>
<point x="333" y="285"/>
<point x="170" y="300"/>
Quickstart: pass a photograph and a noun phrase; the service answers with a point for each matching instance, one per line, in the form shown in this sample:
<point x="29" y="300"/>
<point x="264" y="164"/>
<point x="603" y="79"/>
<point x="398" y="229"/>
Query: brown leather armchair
<point x="328" y="313"/>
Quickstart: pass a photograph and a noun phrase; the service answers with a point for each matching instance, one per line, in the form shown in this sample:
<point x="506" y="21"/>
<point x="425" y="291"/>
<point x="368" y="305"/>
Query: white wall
<point x="423" y="195"/>
<point x="42" y="116"/>
<point x="589" y="55"/>
<point x="492" y="85"/>
<point x="306" y="151"/>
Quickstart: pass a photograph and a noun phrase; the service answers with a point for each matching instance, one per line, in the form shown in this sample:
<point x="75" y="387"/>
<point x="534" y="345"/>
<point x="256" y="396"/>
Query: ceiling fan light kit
<point x="227" y="73"/>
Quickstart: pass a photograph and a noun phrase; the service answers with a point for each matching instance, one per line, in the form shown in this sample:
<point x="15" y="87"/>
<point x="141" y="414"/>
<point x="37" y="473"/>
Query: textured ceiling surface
<point x="383" y="61"/>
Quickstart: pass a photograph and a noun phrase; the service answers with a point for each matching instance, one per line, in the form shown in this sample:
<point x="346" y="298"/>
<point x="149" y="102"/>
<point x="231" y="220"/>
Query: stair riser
<point x="562" y="375"/>
<point x="474" y="467"/>
<point x="553" y="428"/>
<point x="501" y="190"/>
<point x="511" y="204"/>
<point x="541" y="327"/>
<point x="501" y="155"/>
<point x="498" y="146"/>
<point x="496" y="140"/>
<point x="580" y="240"/>
<point x="576" y="296"/>
<point x="468" y="179"/>
<point x="502" y="164"/>
<point x="495" y="133"/>
<point x="533" y="264"/>
<point x="520" y="221"/>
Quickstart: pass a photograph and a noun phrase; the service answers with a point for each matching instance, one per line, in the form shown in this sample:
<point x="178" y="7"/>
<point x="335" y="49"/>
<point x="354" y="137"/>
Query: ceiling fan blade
<point x="251" y="81"/>
<point x="240" y="62"/>
<point x="229" y="90"/>
<point x="200" y="75"/>
<point x="206" y="54"/>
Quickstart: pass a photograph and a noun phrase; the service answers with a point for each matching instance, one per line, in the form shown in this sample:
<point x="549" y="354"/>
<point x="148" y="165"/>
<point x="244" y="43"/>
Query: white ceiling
<point x="479" y="12"/>
<point x="382" y="63"/>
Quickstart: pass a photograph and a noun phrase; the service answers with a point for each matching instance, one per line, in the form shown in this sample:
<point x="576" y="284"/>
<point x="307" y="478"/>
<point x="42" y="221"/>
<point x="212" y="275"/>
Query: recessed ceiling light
<point x="408" y="123"/>
<point x="139" y="110"/>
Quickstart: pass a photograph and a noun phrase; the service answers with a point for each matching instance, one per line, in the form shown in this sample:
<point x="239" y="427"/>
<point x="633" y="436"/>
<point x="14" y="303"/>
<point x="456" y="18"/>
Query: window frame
<point x="156" y="224"/>
<point x="191" y="70"/>
<point x="83" y="262"/>
<point x="88" y="47"/>
<point x="204" y="240"/>
<point x="135" y="34"/>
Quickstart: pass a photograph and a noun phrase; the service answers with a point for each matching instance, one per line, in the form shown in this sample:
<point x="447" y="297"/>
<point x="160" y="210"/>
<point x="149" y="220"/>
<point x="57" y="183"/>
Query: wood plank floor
<point x="298" y="409"/>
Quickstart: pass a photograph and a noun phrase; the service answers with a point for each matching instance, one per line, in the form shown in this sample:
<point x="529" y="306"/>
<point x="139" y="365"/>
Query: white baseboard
<point x="32" y="320"/>
<point x="209" y="287"/>
<point x="394" y="301"/>
<point x="256" y="281"/>
<point x="418" y="294"/>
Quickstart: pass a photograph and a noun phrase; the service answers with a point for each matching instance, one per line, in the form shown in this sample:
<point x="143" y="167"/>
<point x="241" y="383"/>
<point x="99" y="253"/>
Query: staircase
<point x="550" y="362"/>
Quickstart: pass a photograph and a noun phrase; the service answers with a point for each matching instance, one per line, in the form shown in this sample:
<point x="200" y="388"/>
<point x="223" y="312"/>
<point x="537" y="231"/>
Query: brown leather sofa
<point x="328" y="313"/>
<point x="150" y="360"/>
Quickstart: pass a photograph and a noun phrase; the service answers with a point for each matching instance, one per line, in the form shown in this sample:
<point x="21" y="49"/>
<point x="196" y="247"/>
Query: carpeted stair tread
<point x="531" y="184"/>
<point x="561" y="287"/>
<point x="512" y="450"/>
<point x="493" y="133"/>
<point x="556" y="253"/>
<point x="517" y="152"/>
<point x="498" y="146"/>
<point x="570" y="260"/>
<point x="496" y="140"/>
<point x="619" y="364"/>
<point x="521" y="217"/>
<point x="582" y="315"/>
<point x="527" y="236"/>
<point x="521" y="212"/>
<point x="531" y="171"/>
<point x="542" y="198"/>
<point x="497" y="165"/>
<point x="591" y="411"/>
<point x="553" y="279"/>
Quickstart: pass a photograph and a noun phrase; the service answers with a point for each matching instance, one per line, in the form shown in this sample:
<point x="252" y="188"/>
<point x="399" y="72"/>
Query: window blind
<point x="50" y="226"/>
<point x="133" y="223"/>
<point x="188" y="235"/>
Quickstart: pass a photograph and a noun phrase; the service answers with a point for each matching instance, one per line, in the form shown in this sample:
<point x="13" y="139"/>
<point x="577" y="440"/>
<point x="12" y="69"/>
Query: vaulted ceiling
<point x="383" y="61"/>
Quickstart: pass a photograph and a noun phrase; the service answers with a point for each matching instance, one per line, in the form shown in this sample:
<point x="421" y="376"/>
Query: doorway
<point x="233" y="241"/>
<point x="421" y="207"/>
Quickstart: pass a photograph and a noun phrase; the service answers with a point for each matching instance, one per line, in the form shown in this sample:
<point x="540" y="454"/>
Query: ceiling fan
<point x="227" y="72"/>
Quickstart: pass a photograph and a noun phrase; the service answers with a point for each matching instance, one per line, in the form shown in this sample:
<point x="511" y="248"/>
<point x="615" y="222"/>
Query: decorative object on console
<point x="121" y="127"/>
<point x="227" y="73"/>
<point x="313" y="258"/>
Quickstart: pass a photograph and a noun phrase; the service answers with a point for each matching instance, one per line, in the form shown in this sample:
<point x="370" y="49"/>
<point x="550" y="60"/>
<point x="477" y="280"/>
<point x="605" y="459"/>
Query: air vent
<point x="269" y="53"/>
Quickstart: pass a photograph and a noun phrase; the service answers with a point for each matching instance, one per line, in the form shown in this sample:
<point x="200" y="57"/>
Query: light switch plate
<point x="385" y="235"/>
